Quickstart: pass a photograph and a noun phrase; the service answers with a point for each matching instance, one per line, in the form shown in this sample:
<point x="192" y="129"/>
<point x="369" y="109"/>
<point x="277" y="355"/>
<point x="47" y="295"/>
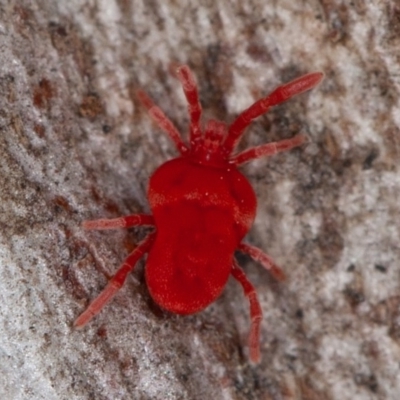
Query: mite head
<point x="208" y="147"/>
<point x="215" y="144"/>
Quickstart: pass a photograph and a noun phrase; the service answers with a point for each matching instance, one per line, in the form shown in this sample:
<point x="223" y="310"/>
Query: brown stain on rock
<point x="43" y="93"/>
<point x="91" y="106"/>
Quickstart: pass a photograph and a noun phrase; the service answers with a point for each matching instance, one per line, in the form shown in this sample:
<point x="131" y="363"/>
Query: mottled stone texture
<point x="75" y="144"/>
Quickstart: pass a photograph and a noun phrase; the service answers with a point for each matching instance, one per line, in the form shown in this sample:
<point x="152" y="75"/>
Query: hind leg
<point x="255" y="311"/>
<point x="116" y="223"/>
<point x="116" y="282"/>
<point x="264" y="259"/>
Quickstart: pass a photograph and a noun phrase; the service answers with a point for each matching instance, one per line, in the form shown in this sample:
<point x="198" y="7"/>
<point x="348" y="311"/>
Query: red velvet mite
<point x="202" y="207"/>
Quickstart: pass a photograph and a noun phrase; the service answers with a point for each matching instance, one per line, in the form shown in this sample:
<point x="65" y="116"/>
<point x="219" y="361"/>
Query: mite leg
<point x="279" y="95"/>
<point x="116" y="223"/>
<point x="162" y="121"/>
<point x="255" y="311"/>
<point x="192" y="96"/>
<point x="264" y="259"/>
<point x="268" y="149"/>
<point x="116" y="282"/>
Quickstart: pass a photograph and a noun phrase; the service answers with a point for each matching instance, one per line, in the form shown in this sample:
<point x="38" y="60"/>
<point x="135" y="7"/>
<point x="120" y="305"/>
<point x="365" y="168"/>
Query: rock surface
<point x="75" y="144"/>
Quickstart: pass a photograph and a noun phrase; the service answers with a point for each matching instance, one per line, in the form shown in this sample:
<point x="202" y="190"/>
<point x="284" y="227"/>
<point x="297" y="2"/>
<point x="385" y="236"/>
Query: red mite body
<point x="202" y="207"/>
<point x="211" y="210"/>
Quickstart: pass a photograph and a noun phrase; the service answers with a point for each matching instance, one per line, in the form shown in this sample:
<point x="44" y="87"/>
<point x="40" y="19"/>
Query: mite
<point x="202" y="207"/>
